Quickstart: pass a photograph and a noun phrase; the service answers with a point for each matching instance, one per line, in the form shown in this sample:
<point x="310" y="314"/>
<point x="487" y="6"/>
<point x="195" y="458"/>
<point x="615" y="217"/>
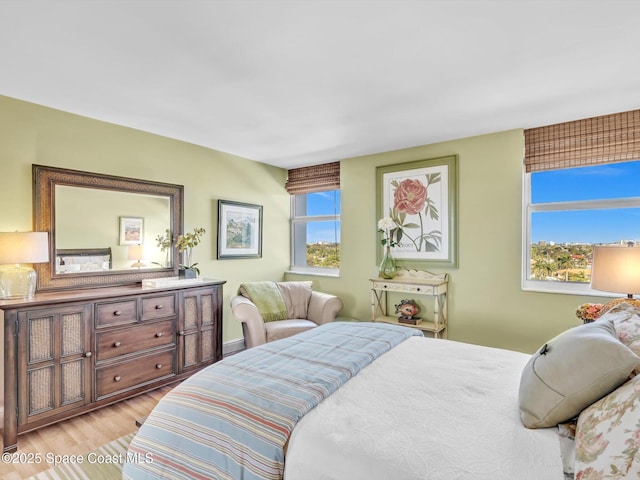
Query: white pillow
<point x="571" y="371"/>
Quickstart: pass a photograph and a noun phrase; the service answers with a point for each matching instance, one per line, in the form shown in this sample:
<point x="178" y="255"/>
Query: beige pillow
<point x="571" y="371"/>
<point x="296" y="297"/>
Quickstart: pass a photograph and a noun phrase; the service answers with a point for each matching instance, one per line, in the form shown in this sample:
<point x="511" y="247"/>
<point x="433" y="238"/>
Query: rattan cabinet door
<point x="200" y="328"/>
<point x="54" y="361"/>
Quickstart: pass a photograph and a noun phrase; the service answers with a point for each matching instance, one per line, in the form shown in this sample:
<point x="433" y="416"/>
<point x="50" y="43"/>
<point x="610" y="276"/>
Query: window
<point x="315" y="218"/>
<point x="580" y="189"/>
<point x="315" y="230"/>
<point x="569" y="210"/>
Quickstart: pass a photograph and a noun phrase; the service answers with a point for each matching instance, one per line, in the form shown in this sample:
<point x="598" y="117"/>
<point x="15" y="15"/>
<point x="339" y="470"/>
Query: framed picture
<point x="239" y="230"/>
<point x="420" y="198"/>
<point x="131" y="230"/>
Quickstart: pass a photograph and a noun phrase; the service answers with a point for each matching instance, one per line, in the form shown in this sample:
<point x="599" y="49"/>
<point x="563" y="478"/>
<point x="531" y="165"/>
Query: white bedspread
<point x="429" y="410"/>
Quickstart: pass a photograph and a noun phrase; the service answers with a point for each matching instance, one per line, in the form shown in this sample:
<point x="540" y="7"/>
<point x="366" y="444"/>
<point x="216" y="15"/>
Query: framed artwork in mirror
<point x="131" y="230"/>
<point x="239" y="230"/>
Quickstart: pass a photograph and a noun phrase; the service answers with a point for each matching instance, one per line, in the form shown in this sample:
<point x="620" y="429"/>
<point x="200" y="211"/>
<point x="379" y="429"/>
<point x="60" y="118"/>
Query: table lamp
<point x="136" y="252"/>
<point x="616" y="269"/>
<point x="17" y="251"/>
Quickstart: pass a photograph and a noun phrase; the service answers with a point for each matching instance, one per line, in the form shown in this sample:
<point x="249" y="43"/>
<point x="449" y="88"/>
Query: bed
<point x="401" y="406"/>
<point x="76" y="260"/>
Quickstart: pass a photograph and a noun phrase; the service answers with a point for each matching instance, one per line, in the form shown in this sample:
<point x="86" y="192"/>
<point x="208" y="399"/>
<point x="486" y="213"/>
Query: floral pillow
<point x="620" y="304"/>
<point x="626" y="321"/>
<point x="608" y="436"/>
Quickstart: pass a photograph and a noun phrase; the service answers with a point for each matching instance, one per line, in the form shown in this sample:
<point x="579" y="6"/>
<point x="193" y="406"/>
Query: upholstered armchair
<point x="273" y="310"/>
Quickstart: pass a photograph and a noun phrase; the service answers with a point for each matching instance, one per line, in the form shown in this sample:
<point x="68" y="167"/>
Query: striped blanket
<point x="233" y="419"/>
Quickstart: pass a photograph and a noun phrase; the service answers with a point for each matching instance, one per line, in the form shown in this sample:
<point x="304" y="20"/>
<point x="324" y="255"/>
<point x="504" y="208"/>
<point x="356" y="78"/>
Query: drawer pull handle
<point x="181" y="333"/>
<point x="116" y="344"/>
<point x="88" y="354"/>
<point x="159" y="366"/>
<point x="159" y="334"/>
<point x="117" y="313"/>
<point x="158" y="307"/>
<point x="117" y="378"/>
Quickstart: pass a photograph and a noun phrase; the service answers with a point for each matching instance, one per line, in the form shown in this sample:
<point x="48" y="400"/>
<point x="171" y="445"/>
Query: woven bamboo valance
<point x="592" y="141"/>
<point x="316" y="178"/>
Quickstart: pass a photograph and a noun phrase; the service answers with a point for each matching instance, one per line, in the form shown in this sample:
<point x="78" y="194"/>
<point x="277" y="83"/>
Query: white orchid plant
<point x="387" y="227"/>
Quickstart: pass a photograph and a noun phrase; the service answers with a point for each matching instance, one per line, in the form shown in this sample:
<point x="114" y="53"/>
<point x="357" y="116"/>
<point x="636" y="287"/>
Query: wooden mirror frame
<point x="45" y="180"/>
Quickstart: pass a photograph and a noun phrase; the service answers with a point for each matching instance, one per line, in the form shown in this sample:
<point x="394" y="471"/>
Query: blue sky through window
<point x="614" y="180"/>
<point x="323" y="203"/>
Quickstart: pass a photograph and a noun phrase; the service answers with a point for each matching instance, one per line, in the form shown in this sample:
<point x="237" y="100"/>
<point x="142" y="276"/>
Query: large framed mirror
<point x="105" y="230"/>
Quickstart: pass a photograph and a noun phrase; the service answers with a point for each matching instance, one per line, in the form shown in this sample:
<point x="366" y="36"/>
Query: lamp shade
<point x="135" y="252"/>
<point x="24" y="247"/>
<point x="616" y="269"/>
<point x="18" y="248"/>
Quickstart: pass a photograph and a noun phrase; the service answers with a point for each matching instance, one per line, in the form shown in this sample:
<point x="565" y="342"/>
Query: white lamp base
<point x="17" y="281"/>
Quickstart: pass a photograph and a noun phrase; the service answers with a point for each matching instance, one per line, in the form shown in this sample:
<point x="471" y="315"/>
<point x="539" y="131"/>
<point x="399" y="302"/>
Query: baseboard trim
<point x="233" y="346"/>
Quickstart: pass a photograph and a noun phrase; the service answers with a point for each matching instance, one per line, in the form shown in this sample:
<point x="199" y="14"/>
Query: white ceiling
<point x="293" y="83"/>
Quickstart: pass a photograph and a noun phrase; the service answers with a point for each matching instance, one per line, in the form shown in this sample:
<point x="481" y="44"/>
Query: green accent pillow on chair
<point x="267" y="298"/>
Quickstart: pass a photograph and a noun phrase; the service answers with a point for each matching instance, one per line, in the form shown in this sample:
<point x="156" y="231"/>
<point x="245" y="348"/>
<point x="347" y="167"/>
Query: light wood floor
<point x="81" y="434"/>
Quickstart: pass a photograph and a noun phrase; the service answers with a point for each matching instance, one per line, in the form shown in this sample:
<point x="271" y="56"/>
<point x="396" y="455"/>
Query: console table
<point x="66" y="353"/>
<point x="413" y="282"/>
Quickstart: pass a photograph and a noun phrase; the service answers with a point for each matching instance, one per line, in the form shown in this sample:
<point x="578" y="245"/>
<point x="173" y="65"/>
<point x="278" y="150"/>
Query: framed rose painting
<point x="418" y="201"/>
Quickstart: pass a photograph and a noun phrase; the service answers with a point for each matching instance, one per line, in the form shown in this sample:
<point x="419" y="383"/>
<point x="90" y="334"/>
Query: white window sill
<point x="565" y="288"/>
<point x="315" y="272"/>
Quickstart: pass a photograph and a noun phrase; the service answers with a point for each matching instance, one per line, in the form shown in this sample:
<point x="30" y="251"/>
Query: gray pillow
<point x="571" y="371"/>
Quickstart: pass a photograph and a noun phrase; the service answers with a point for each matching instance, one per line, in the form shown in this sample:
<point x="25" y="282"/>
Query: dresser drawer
<point x="157" y="307"/>
<point x="136" y="372"/>
<point x="406" y="288"/>
<point x="114" y="343"/>
<point x="116" y="313"/>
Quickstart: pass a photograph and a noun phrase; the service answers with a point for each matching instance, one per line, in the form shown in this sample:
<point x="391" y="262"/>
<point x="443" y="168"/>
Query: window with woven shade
<point x="315" y="218"/>
<point x="315" y="178"/>
<point x="581" y="189"/>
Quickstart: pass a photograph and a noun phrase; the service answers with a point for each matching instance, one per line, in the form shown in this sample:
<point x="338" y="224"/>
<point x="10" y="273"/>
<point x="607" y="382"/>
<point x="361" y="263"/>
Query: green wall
<point x="486" y="303"/>
<point x="32" y="134"/>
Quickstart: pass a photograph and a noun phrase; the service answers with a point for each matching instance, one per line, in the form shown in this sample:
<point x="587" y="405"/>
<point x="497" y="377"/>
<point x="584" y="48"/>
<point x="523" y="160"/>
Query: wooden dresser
<point x="70" y="352"/>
